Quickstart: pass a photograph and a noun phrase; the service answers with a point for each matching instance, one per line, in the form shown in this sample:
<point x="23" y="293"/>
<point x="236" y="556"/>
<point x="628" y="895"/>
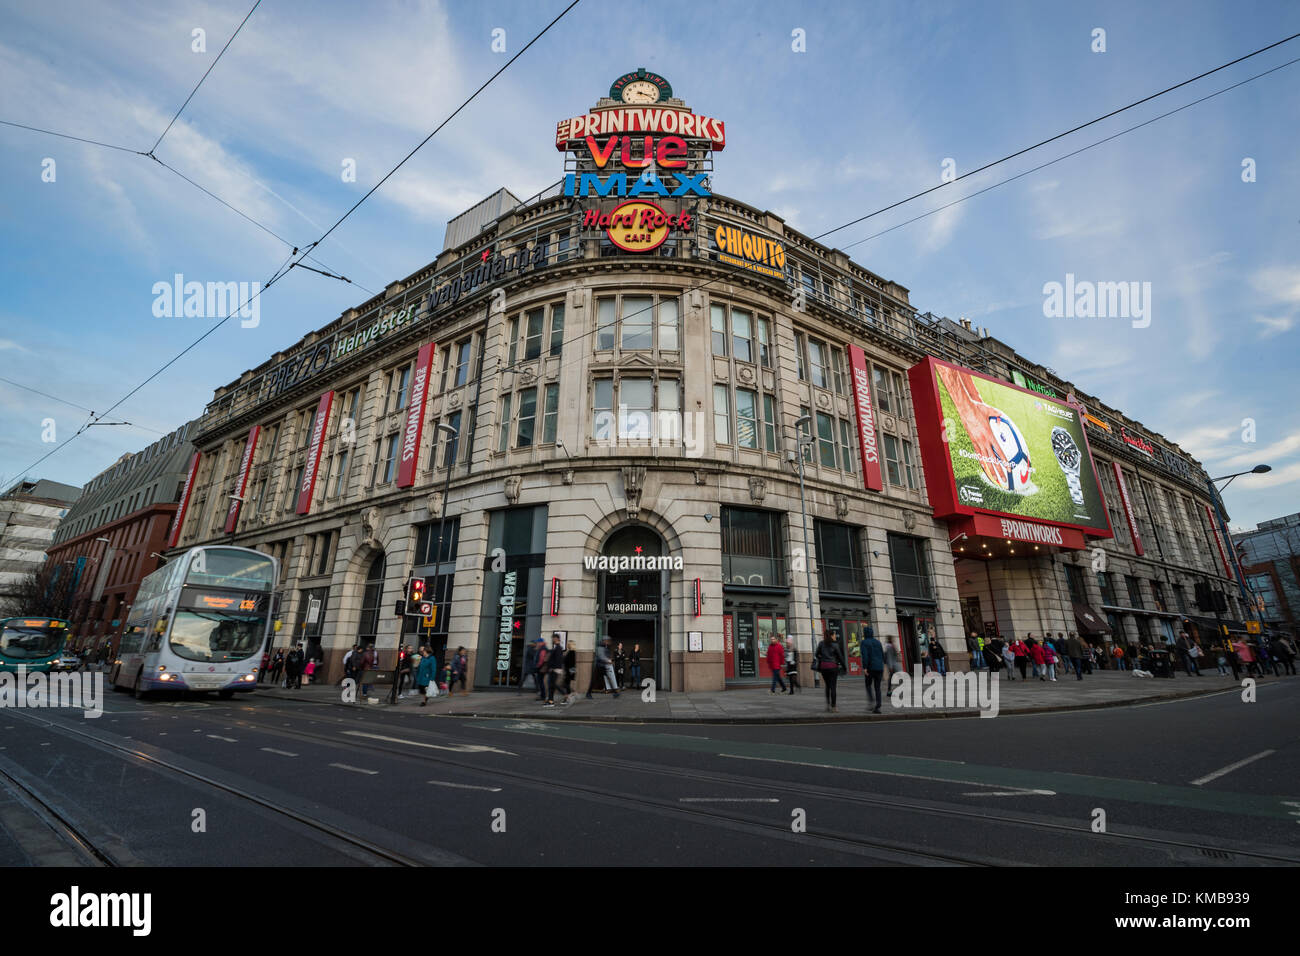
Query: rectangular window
<point x="841" y="382"/>
<point x="450" y="443"/>
<point x="668" y="324"/>
<point x="1074" y="582"/>
<point x="826" y="439"/>
<point x="1107" y="585"/>
<point x="764" y="343"/>
<point x="322" y="565"/>
<point x="401" y="378"/>
<point x="718" y="324"/>
<point x="527" y="417"/>
<point x="769" y="423"/>
<point x="670" y="411"/>
<point x="503" y="424"/>
<point x="721" y="415"/>
<point x="880" y="382"/>
<point x="462" y="361"/>
<point x="799" y="339"/>
<point x="606" y="320"/>
<point x="1134" y="591"/>
<point x="892" y="461"/>
<point x="557" y="329"/>
<point x="911" y="572"/>
<point x="603" y="407"/>
<point x="638" y="322"/>
<point x="341" y="476"/>
<point x="533" y="342"/>
<point x="746" y="418"/>
<point x="907" y="464"/>
<point x="846" y="445"/>
<point x="751" y="548"/>
<point x="390" y="458"/>
<point x="899" y="393"/>
<point x="741" y="333"/>
<point x="550" y="414"/>
<point x="635" y="408"/>
<point x="839" y="558"/>
<point x="817" y="362"/>
<point x="512" y="336"/>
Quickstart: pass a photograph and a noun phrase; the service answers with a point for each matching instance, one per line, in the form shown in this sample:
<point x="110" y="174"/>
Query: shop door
<point x="908" y="649"/>
<point x="633" y="633"/>
<point x="746" y="645"/>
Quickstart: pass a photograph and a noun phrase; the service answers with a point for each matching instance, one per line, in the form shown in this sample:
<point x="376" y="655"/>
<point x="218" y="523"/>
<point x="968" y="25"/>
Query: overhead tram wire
<point x="706" y="284"/>
<point x="285" y="269"/>
<point x="79" y="139"/>
<point x="1052" y="139"/>
<point x="202" y="78"/>
<point x="9" y="381"/>
<point x="1076" y="152"/>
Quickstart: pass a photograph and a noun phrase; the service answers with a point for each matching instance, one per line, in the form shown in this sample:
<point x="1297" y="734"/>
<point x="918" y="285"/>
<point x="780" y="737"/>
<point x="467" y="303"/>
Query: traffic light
<point x="415" y="593"/>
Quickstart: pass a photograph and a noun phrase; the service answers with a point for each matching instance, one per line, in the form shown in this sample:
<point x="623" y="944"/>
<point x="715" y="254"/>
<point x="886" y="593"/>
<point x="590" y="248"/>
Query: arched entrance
<point x="372" y="601"/>
<point x="632" y="598"/>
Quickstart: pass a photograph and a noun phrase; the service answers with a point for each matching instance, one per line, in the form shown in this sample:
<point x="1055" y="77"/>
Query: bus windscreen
<point x="33" y="640"/>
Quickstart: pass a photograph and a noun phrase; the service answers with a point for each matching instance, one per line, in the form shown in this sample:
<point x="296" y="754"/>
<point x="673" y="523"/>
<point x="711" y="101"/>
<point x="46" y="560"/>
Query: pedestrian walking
<point x="892" y="664"/>
<point x="620" y="667"/>
<point x="458" y="670"/>
<point x="570" y="673"/>
<point x="792" y="665"/>
<point x="293" y="664"/>
<point x="828" y="658"/>
<point x="1020" y="654"/>
<point x="1117" y="653"/>
<point x="368" y="658"/>
<point x="277" y="666"/>
<point x="530" y="669"/>
<point x="1049" y="660"/>
<point x="426" y="676"/>
<point x="264" y="666"/>
<point x="1074" y="649"/>
<point x="1185" y="648"/>
<point x="776" y="663"/>
<point x="873" y="664"/>
<point x="634" y="665"/>
<point x="604" y="667"/>
<point x="939" y="656"/>
<point x="554" y="669"/>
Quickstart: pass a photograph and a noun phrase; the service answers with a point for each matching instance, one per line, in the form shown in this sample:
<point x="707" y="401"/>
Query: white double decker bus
<point x="199" y="623"/>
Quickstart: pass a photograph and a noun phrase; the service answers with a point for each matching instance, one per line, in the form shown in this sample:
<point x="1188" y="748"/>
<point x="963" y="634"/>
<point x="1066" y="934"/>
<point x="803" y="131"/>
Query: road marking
<point x="230" y="740"/>
<point x="454" y="748"/>
<point x="282" y="753"/>
<point x="1011" y="793"/>
<point x="728" y="800"/>
<point x="1231" y="767"/>
<point x="343" y="766"/>
<point x="463" y="786"/>
<point x="883" y="773"/>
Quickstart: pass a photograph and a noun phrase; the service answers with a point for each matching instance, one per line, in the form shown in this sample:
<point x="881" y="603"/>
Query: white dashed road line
<point x="455" y="748"/>
<point x="463" y="786"/>
<point x="1230" y="767"/>
<point x="343" y="766"/>
<point x="282" y="753"/>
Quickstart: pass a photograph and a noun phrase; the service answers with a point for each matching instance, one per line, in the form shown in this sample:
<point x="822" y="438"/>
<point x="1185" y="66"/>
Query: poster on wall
<point x="989" y="446"/>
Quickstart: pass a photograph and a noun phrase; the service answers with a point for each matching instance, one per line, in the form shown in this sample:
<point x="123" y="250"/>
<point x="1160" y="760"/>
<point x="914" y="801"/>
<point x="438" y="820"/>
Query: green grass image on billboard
<point x="1035" y="416"/>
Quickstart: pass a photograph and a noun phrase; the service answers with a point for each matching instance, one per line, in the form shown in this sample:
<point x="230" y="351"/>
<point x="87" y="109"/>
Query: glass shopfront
<point x="513" y="597"/>
<point x="747" y="634"/>
<point x="848" y="622"/>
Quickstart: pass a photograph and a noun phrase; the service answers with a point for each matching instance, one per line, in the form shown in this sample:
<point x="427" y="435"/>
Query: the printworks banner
<point x="866" y="415"/>
<point x="313" y="453"/>
<point x="250" y="449"/>
<point x="415" y="418"/>
<point x="993" y="447"/>
<point x="184" y="504"/>
<point x="1129" y="514"/>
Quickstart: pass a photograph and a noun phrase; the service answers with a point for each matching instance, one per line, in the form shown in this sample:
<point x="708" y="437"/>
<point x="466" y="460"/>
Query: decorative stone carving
<point x="909" y="520"/>
<point x="568" y="476"/>
<point x="841" y="505"/>
<point x="513" y="485"/>
<point x="746" y="373"/>
<point x="369" y="522"/>
<point x="757" y="489"/>
<point x="528" y="375"/>
<point x="823" y="400"/>
<point x="435" y="504"/>
<point x="454" y="399"/>
<point x="633" y="485"/>
<point x="700" y="477"/>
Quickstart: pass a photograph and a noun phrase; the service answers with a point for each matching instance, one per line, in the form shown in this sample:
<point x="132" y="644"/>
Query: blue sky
<point x="883" y="94"/>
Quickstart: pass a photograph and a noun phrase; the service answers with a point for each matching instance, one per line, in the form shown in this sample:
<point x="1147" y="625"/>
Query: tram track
<point x="880" y="850"/>
<point x="57" y="820"/>
<point x="802" y="790"/>
<point x="76" y="833"/>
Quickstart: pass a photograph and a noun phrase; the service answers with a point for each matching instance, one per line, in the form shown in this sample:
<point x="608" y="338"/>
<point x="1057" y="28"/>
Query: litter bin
<point x="1160" y="664"/>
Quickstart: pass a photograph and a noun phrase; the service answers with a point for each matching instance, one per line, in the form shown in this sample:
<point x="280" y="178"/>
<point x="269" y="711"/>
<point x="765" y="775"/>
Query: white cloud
<point x="1272" y="326"/>
<point x="1268" y="454"/>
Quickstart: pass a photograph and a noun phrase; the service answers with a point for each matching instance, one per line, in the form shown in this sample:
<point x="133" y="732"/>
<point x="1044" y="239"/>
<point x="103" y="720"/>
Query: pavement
<point x="755" y="704"/>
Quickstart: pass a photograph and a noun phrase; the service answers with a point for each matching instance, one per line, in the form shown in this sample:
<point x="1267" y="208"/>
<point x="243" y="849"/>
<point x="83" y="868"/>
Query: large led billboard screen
<point x="990" y="446"/>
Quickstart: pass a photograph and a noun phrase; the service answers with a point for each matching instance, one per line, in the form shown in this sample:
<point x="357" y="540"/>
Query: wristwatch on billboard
<point x="1070" y="459"/>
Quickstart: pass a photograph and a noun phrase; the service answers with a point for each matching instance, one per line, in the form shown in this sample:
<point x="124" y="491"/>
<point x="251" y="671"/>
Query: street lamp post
<point x="801" y="442"/>
<point x="1215" y="490"/>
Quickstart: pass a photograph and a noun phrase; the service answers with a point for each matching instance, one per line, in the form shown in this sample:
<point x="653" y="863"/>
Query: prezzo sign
<point x="1128" y="508"/>
<point x="636" y="226"/>
<point x="250" y="448"/>
<point x="871" y="476"/>
<point x="506" y="631"/>
<point x="415" y="417"/>
<point x="184" y="503"/>
<point x="313" y="453"/>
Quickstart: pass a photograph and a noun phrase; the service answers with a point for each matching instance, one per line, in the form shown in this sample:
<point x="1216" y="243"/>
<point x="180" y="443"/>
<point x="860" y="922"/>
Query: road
<point x="1202" y="782"/>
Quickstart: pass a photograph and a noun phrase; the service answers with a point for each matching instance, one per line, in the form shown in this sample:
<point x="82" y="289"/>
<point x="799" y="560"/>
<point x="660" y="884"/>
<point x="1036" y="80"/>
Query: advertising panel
<point x="184" y="503"/>
<point x="414" y="427"/>
<point x="1128" y="508"/>
<point x="871" y="476"/>
<point x="250" y="449"/>
<point x="989" y="446"/>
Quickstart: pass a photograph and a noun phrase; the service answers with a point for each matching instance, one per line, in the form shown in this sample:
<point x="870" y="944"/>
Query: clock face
<point x="641" y="91"/>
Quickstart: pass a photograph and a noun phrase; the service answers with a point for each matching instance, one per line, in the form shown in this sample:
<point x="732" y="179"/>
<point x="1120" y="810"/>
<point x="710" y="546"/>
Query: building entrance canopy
<point x="989" y="536"/>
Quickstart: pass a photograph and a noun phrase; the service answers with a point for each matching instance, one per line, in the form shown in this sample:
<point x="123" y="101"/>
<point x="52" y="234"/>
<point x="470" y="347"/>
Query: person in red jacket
<point x="1021" y="651"/>
<point x="1039" y="658"/>
<point x="776" y="662"/>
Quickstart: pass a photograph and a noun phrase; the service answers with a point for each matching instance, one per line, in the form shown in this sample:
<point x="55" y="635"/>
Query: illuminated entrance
<point x="632" y="604"/>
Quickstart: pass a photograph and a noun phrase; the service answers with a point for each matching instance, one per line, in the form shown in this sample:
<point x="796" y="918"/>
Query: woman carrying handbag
<point x="829" y="660"/>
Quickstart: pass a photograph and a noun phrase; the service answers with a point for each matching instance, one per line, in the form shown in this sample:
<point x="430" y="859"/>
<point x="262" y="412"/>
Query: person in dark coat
<point x="873" y="664"/>
<point x="1074" y="649"/>
<point x="829" y="661"/>
<point x="293" y="669"/>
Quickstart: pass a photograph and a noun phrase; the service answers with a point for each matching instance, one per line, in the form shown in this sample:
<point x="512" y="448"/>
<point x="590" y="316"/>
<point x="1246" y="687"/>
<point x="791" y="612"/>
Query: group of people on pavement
<point x="555" y="668"/>
<point x="288" y="667"/>
<point x="1042" y="657"/>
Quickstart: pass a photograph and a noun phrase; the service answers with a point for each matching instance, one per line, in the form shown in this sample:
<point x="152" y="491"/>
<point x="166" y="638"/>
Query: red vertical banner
<point x="313" y="453"/>
<point x="729" y="645"/>
<point x="183" y="505"/>
<point x="555" y="596"/>
<point x="245" y="466"/>
<point x="871" y="476"/>
<point x="1128" y="508"/>
<point x="699" y="598"/>
<point x="1218" y="540"/>
<point x="415" y="417"/>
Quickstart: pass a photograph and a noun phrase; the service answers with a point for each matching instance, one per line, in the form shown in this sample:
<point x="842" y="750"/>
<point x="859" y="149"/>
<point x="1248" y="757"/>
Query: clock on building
<point x="640" y="88"/>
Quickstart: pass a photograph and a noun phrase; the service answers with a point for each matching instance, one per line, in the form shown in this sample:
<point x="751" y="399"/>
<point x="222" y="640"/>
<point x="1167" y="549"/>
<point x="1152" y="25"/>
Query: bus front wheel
<point x="137" y="690"/>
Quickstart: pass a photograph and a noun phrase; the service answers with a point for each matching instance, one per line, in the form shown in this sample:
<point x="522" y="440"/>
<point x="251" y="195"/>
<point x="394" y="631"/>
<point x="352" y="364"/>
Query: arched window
<point x="371" y="602"/>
